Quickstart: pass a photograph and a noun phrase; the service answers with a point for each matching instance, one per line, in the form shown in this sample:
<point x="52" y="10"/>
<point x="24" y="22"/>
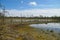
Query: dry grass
<point x="24" y="32"/>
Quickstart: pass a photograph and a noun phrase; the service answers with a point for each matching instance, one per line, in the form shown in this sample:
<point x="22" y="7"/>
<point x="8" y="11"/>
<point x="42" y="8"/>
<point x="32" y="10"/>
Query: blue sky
<point x="24" y="4"/>
<point x="27" y="5"/>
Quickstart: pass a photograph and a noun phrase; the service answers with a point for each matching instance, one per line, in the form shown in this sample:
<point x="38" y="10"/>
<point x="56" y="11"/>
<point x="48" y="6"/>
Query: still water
<point x="50" y="26"/>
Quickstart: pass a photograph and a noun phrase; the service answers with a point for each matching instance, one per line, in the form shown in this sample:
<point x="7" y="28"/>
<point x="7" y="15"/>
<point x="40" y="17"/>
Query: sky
<point x="32" y="7"/>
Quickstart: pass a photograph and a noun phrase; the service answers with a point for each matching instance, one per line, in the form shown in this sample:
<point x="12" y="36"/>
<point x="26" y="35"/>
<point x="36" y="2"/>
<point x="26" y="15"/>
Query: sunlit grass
<point x="25" y="32"/>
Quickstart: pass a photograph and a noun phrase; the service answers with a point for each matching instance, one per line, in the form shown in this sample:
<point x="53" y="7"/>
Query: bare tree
<point x="2" y="14"/>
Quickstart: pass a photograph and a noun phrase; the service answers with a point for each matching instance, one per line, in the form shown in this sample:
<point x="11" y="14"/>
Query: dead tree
<point x="2" y="14"/>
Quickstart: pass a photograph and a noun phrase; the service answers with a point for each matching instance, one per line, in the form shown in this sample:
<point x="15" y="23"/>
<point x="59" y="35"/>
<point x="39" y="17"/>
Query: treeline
<point x="44" y="17"/>
<point x="58" y="18"/>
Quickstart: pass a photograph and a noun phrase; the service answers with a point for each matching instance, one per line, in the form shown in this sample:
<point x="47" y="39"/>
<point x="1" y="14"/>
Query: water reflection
<point x="50" y="26"/>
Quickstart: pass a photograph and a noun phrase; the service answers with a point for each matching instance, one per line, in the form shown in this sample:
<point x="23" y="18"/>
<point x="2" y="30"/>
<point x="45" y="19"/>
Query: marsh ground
<point x="25" y="32"/>
<point x="15" y="29"/>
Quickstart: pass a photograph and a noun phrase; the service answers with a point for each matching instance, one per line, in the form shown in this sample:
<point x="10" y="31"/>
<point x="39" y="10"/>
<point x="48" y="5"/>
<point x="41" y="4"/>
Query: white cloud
<point x="35" y="12"/>
<point x="33" y="3"/>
